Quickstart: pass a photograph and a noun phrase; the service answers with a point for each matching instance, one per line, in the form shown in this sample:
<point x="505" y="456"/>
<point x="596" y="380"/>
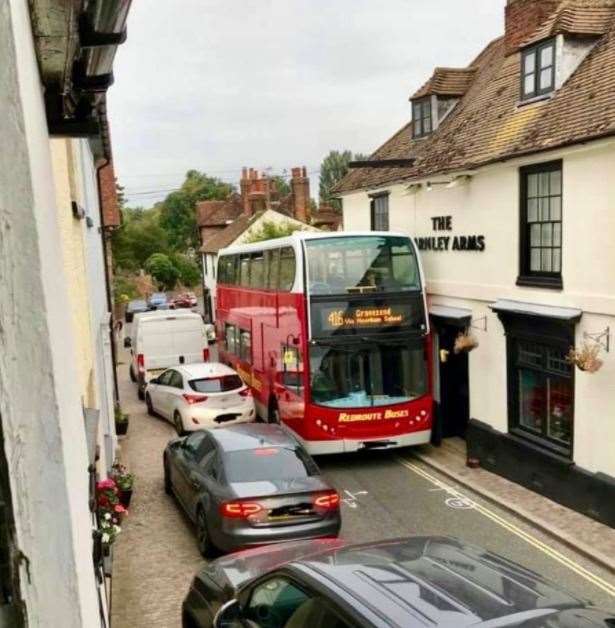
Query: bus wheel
<point x="274" y="412"/>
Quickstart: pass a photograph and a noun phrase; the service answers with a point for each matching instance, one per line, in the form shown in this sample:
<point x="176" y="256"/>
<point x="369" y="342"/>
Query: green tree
<point x="332" y="170"/>
<point x="138" y="238"/>
<point x="189" y="270"/>
<point x="282" y="185"/>
<point x="162" y="269"/>
<point x="178" y="210"/>
<point x="270" y="230"/>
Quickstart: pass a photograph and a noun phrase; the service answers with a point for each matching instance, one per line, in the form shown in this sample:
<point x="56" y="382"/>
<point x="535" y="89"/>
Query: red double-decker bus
<point x="330" y="331"/>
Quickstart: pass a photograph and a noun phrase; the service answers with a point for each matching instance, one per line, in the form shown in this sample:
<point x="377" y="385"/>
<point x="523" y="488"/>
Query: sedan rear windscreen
<point x="268" y="463"/>
<point x="226" y="383"/>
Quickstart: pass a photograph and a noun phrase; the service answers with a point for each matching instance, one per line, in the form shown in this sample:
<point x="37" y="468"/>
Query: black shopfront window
<point x="538" y="70"/>
<point x="541" y="388"/>
<point x="540" y="227"/>
<point x="379" y="209"/>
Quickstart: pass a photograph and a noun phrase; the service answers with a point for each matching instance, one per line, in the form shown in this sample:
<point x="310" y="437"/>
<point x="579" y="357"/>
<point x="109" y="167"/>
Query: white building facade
<point x="518" y="252"/>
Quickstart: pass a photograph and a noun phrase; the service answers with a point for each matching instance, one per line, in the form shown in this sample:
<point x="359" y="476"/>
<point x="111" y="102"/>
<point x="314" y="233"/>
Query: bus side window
<point x="244" y="270"/>
<point x="231" y="339"/>
<point x="287" y="269"/>
<point x="222" y="266"/>
<point x="233" y="270"/>
<point x="274" y="269"/>
<point x="257" y="263"/>
<point x="245" y="345"/>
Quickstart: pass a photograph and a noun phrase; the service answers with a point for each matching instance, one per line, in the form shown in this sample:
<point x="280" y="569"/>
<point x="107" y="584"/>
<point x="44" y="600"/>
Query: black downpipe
<point x="116" y="389"/>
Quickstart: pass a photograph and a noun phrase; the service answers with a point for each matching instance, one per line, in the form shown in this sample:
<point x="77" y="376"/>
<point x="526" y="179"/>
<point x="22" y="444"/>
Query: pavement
<point x="385" y="495"/>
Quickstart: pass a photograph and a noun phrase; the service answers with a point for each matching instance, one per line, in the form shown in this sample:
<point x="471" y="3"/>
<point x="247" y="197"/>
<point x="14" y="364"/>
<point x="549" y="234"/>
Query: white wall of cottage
<point x="44" y="432"/>
<point x="488" y="204"/>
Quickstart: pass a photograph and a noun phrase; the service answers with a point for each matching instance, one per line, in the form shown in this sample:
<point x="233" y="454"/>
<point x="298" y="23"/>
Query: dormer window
<point x="421" y="117"/>
<point x="538" y="70"/>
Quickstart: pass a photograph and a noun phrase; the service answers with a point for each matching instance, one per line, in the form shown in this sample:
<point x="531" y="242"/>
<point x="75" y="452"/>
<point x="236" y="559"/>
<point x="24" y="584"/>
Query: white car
<point x="197" y="396"/>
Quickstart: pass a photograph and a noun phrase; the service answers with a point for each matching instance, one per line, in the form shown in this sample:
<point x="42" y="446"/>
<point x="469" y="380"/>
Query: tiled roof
<point x="447" y="82"/>
<point x="229" y="234"/>
<point x="217" y="213"/>
<point x="577" y="17"/>
<point x="488" y="124"/>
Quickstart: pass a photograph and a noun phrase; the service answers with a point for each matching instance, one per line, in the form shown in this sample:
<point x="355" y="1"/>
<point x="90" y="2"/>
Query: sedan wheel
<point x="206" y="547"/>
<point x="150" y="407"/>
<point x="179" y="426"/>
<point x="168" y="488"/>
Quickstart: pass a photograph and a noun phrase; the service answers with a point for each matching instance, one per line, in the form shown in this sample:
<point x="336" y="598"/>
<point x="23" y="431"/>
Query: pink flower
<point x="108" y="483"/>
<point x="119" y="508"/>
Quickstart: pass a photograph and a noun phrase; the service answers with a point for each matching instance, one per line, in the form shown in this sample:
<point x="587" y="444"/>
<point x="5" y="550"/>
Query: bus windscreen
<point x="361" y="264"/>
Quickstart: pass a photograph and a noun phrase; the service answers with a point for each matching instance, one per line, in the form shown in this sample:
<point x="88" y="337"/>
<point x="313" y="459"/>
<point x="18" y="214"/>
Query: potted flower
<point x="124" y="482"/>
<point x="108" y="501"/>
<point x="121" y="421"/>
<point x="465" y="342"/>
<point x="585" y="358"/>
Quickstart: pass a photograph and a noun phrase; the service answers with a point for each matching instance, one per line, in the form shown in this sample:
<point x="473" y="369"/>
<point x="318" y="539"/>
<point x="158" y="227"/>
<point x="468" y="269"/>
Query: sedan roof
<point x="252" y="436"/>
<point x="204" y="370"/>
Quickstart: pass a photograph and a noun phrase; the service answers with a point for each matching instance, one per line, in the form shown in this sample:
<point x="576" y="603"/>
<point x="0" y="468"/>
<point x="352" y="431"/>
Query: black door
<point x="454" y="406"/>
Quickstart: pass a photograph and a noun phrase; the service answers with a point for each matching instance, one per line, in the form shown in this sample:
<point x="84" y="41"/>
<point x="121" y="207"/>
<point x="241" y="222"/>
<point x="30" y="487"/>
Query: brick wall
<point x="108" y="193"/>
<point x="523" y="17"/>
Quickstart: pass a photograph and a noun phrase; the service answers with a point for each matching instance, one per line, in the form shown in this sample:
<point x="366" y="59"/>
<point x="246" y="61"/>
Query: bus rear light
<point x="327" y="501"/>
<point x="192" y="399"/>
<point x="239" y="510"/>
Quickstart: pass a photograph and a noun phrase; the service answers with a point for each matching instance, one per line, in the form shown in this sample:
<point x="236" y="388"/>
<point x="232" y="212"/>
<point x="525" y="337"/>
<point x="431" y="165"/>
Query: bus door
<point x="290" y="390"/>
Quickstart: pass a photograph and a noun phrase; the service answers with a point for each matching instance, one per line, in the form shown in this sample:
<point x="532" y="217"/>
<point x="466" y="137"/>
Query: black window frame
<point x="527" y="276"/>
<point x="537" y="69"/>
<point x="543" y="343"/>
<point x="421" y="107"/>
<point x="379" y="216"/>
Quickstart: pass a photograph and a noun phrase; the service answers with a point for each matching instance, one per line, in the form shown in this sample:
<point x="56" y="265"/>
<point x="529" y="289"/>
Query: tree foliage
<point x="178" y="210"/>
<point x="270" y="230"/>
<point x="332" y="170"/>
<point x="282" y="185"/>
<point x="189" y="271"/>
<point x="163" y="270"/>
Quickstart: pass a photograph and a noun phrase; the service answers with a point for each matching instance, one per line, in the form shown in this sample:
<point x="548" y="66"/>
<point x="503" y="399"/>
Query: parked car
<point x="162" y="339"/>
<point x="195" y="396"/>
<point x="134" y="307"/>
<point x="403" y="583"/>
<point x="185" y="300"/>
<point x="249" y="485"/>
<point x="158" y="300"/>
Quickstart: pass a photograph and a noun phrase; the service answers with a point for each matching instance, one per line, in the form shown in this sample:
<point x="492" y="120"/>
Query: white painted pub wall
<point x="489" y="205"/>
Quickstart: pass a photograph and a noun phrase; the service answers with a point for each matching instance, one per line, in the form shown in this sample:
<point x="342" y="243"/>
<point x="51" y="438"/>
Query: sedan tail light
<point x="246" y="392"/>
<point x="240" y="510"/>
<point x="327" y="501"/>
<point x="192" y="399"/>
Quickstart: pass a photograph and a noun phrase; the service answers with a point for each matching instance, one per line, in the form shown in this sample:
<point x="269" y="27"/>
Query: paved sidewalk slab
<point x="588" y="537"/>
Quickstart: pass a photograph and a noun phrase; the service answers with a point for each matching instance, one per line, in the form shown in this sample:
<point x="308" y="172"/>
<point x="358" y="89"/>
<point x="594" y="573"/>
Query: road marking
<point x="352" y="500"/>
<point x="511" y="527"/>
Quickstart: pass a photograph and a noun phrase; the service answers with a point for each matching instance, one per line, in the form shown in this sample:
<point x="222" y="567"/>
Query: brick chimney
<point x="300" y="187"/>
<point x="523" y="17"/>
<point x="255" y="191"/>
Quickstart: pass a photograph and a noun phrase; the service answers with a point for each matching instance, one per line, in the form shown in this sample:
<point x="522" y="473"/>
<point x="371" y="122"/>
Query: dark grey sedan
<point x="248" y="485"/>
<point x="415" y="582"/>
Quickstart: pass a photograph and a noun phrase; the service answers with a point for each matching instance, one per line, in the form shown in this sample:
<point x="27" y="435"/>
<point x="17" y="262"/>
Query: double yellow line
<point x="543" y="547"/>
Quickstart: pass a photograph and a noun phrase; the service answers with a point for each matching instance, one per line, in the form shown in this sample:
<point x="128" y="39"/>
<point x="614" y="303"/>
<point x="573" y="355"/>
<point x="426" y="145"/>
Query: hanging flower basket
<point x="585" y="358"/>
<point x="464" y="343"/>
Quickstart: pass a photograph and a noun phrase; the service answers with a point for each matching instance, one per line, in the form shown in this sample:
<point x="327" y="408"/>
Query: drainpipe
<point x="103" y="235"/>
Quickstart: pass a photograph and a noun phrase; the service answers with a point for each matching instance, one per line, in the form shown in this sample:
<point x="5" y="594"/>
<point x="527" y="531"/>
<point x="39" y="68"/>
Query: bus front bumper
<point x="334" y="446"/>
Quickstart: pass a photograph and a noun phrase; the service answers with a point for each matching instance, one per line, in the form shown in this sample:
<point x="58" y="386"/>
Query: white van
<point x="161" y="339"/>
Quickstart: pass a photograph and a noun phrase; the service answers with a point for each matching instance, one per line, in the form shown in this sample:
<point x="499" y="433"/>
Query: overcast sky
<point x="220" y="84"/>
